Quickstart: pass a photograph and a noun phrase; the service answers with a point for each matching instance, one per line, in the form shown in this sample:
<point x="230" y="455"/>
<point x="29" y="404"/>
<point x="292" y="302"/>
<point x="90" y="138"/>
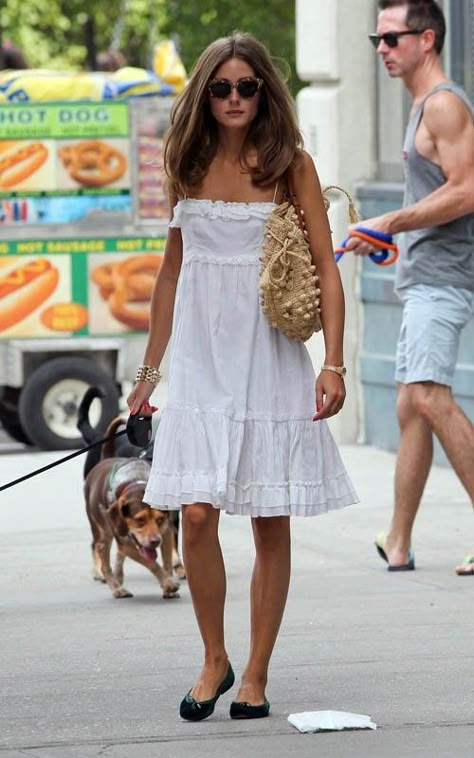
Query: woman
<point x="237" y="433"/>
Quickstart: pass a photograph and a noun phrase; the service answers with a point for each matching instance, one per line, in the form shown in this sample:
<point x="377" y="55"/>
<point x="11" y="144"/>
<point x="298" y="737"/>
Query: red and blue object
<point x="388" y="251"/>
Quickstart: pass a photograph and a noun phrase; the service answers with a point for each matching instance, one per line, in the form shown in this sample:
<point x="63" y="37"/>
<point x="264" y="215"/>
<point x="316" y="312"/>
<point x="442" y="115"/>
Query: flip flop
<point x="408" y="566"/>
<point x="468" y="562"/>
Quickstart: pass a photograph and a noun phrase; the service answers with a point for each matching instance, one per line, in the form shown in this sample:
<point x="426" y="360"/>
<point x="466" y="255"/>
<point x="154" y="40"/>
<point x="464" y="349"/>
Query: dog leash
<point x="61" y="460"/>
<point x="138" y="431"/>
<point x="388" y="249"/>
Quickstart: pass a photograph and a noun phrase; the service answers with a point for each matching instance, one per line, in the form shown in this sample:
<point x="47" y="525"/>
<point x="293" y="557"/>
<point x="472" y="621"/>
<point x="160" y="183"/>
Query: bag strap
<point x="294" y="199"/>
<point x="353" y="212"/>
<point x="354" y="216"/>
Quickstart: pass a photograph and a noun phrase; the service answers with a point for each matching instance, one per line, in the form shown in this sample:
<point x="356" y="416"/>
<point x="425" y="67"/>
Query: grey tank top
<point x="439" y="255"/>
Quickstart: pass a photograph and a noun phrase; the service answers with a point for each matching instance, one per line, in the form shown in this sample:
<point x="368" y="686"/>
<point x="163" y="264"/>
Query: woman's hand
<point x="139" y="398"/>
<point x="330" y="395"/>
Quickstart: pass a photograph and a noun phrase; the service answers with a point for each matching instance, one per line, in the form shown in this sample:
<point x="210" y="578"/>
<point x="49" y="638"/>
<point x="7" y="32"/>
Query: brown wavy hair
<point x="191" y="141"/>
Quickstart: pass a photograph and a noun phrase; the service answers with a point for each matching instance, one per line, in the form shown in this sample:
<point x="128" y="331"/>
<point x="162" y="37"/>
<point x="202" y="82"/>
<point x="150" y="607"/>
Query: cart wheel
<point x="51" y="396"/>
<point x="9" y="418"/>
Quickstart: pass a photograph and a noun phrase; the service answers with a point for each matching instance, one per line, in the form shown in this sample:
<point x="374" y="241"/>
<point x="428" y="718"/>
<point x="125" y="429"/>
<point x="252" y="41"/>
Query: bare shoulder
<point x="305" y="163"/>
<point x="445" y="110"/>
<point x="305" y="172"/>
<point x="173" y="201"/>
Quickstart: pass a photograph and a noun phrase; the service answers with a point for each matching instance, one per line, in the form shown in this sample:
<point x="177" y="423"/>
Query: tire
<point x="51" y="396"/>
<point x="9" y="418"/>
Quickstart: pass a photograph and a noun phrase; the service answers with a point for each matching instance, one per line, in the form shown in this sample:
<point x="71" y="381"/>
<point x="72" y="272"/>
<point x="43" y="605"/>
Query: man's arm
<point x="451" y="129"/>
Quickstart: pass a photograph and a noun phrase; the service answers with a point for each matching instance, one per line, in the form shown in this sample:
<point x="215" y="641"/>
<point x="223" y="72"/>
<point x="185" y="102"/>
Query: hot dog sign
<point x="77" y="287"/>
<point x="61" y="164"/>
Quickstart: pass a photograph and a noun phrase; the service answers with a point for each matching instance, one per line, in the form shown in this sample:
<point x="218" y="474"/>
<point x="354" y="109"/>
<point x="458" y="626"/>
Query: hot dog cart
<point x="83" y="219"/>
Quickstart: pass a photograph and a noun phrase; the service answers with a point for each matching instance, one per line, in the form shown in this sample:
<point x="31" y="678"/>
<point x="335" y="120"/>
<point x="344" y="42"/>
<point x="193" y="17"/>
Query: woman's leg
<point x="207" y="583"/>
<point x="268" y="592"/>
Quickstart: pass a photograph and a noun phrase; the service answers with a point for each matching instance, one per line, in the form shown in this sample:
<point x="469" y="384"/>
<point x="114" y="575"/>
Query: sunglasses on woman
<point x="246" y="87"/>
<point x="391" y="38"/>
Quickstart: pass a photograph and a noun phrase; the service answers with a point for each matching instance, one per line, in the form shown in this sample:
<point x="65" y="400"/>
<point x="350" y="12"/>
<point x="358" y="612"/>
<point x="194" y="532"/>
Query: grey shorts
<point x="433" y="318"/>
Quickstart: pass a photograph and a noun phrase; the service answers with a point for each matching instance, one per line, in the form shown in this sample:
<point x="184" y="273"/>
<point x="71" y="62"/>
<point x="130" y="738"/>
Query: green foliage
<point x="53" y="33"/>
<point x="194" y="26"/>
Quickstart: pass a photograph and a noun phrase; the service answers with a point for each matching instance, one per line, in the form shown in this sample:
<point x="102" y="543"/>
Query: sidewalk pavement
<point x="85" y="675"/>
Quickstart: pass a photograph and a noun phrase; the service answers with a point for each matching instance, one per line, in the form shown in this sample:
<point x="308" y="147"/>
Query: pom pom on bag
<point x="289" y="284"/>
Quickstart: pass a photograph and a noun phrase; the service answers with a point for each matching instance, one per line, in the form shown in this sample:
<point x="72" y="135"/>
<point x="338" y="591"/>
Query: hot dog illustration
<point x="20" y="162"/>
<point x="24" y="289"/>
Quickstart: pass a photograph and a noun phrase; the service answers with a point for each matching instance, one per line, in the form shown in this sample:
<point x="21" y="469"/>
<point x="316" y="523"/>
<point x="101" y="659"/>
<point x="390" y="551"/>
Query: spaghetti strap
<point x="276" y="189"/>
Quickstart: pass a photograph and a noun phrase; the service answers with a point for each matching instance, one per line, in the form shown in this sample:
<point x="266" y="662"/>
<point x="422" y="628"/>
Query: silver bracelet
<point x="148" y="374"/>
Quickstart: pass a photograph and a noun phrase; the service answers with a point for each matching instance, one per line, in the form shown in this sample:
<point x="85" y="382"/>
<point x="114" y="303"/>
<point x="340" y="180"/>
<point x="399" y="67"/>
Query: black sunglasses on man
<point x="391" y="38"/>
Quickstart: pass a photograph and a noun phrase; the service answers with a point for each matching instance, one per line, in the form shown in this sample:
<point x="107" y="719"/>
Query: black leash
<point x="62" y="460"/>
<point x="138" y="431"/>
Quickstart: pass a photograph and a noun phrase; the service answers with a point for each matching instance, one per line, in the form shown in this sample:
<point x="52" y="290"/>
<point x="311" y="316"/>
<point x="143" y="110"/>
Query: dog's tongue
<point x="148" y="552"/>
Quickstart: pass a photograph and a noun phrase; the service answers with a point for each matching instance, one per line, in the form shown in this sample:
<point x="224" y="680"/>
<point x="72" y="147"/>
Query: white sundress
<point x="237" y="429"/>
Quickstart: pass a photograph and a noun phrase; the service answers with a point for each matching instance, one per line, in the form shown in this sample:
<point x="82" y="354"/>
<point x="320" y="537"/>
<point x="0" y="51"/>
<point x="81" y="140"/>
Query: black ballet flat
<point x="197" y="710"/>
<point x="248" y="711"/>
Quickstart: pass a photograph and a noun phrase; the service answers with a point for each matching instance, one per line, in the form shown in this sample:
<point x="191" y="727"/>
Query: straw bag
<point x="289" y="284"/>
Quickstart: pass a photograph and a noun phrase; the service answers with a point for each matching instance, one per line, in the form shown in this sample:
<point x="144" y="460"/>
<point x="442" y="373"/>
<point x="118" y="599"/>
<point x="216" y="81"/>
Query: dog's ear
<point x="117" y="518"/>
<point x="125" y="510"/>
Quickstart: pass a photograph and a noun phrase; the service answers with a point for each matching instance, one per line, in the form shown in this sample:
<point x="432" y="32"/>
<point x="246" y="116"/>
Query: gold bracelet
<point x="340" y="370"/>
<point x="148" y="374"/>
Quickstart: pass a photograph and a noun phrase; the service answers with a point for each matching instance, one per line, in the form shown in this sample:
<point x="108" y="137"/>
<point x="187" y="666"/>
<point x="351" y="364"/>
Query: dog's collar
<point x="110" y="484"/>
<point x="125" y="473"/>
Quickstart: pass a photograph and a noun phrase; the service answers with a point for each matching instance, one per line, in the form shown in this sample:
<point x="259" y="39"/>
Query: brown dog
<point x="121" y="448"/>
<point x="114" y="490"/>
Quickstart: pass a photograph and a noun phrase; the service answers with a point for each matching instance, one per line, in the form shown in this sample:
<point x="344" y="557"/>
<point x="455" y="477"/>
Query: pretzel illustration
<point x="138" y="264"/>
<point x="127" y="283"/>
<point x="93" y="163"/>
<point x="107" y="279"/>
<point x="103" y="277"/>
<point x="135" y="318"/>
<point x="19" y="165"/>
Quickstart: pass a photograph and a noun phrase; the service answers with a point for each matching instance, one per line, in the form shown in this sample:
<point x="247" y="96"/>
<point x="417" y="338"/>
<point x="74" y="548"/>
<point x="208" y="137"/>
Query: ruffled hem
<point x="253" y="467"/>
<point x="170" y="492"/>
<point x="220" y="209"/>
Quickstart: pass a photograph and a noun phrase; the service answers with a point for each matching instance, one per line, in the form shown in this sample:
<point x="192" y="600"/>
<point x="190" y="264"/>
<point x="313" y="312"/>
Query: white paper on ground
<point x="329" y="721"/>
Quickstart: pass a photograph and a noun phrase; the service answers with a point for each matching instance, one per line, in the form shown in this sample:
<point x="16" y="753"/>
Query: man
<point x="435" y="272"/>
<point x="11" y="57"/>
<point x="110" y="60"/>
